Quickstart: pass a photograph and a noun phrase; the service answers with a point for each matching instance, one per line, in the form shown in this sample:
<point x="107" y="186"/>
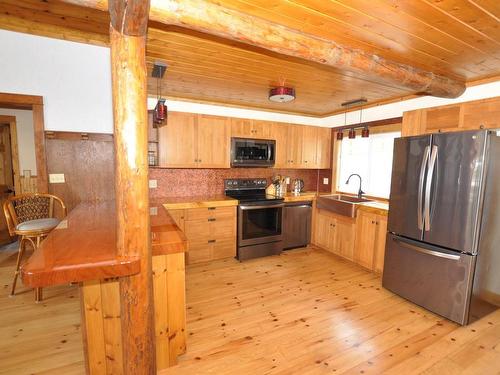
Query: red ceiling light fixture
<point x="352" y="133"/>
<point x="365" y="133"/>
<point x="282" y="93"/>
<point x="160" y="112"/>
<point x="340" y="135"/>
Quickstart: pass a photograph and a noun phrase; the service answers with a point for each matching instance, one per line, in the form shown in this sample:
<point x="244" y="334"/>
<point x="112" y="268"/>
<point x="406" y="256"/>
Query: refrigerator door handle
<point x="428" y="186"/>
<point x="420" y="221"/>
<point x="427" y="251"/>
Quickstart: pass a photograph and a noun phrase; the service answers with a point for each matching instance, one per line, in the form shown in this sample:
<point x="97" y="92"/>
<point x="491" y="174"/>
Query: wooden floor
<point x="305" y="312"/>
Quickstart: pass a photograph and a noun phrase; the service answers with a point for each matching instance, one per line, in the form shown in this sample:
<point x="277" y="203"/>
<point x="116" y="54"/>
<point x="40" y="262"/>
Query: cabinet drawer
<point x="225" y="228"/>
<point x="224" y="249"/>
<point x="210" y="212"/>
<point x="197" y="230"/>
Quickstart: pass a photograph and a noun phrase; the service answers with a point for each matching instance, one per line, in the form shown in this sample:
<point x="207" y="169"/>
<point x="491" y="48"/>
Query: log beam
<point x="129" y="85"/>
<point x="210" y="18"/>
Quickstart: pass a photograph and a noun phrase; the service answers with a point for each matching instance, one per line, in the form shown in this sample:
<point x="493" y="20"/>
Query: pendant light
<point x="365" y="133"/>
<point x="160" y="111"/>
<point x="340" y="132"/>
<point x="352" y="133"/>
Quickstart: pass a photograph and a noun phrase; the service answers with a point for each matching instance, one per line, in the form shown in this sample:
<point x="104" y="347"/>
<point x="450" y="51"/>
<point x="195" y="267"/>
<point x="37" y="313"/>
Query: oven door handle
<point x="248" y="207"/>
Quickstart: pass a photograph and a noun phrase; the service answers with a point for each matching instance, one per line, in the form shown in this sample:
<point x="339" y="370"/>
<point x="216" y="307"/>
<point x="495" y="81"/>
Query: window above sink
<point x="371" y="158"/>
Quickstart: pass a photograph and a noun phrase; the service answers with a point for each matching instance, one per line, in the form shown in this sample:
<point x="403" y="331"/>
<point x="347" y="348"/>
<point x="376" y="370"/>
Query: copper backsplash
<point x="195" y="182"/>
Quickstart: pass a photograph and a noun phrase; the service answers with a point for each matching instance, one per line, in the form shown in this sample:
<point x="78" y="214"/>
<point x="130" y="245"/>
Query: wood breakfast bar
<point x="82" y="249"/>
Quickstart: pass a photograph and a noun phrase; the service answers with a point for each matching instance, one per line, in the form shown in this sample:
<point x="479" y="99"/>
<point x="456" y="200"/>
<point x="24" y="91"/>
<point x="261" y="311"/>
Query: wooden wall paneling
<point x="213" y="141"/>
<point x="162" y="301"/>
<point x="111" y="313"/>
<point x="178" y="142"/>
<point x="88" y="167"/>
<point x="176" y="310"/>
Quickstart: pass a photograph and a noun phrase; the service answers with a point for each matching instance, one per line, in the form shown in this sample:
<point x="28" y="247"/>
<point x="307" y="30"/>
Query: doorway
<point x="9" y="169"/>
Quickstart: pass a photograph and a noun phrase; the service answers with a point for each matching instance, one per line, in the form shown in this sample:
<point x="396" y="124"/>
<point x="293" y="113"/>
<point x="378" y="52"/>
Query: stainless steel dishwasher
<point x="297" y="218"/>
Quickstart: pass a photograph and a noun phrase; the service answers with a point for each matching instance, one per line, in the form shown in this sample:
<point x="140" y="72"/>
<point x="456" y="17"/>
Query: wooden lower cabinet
<point x="369" y="247"/>
<point x="335" y="233"/>
<point x="361" y="240"/>
<point x="211" y="232"/>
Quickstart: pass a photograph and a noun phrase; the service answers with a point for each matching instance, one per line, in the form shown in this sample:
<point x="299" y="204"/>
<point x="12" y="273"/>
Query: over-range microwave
<point x="252" y="152"/>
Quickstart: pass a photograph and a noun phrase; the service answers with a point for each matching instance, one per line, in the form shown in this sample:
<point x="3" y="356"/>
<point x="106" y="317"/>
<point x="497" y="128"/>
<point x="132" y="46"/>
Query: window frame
<point x="384" y="127"/>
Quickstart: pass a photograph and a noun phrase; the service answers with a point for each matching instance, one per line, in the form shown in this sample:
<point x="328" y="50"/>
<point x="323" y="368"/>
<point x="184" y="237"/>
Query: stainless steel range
<point x="260" y="218"/>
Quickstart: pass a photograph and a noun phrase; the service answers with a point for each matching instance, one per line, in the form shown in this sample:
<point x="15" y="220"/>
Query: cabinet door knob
<point x="211" y="219"/>
<point x="373" y="222"/>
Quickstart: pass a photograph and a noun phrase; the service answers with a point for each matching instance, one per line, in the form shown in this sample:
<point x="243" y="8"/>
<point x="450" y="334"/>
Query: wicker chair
<point x="31" y="217"/>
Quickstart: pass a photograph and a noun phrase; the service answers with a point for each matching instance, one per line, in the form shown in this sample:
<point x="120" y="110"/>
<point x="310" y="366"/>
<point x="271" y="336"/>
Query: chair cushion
<point x="38" y="224"/>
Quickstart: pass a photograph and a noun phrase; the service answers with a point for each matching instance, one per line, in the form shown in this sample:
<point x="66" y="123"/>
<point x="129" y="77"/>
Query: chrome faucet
<point x="360" y="192"/>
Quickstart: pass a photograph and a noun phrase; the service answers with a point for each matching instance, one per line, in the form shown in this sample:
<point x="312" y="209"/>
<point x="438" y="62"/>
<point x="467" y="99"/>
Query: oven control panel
<point x="245" y="183"/>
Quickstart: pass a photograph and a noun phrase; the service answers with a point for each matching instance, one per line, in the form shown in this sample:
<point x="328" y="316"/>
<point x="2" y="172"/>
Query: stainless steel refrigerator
<point x="443" y="241"/>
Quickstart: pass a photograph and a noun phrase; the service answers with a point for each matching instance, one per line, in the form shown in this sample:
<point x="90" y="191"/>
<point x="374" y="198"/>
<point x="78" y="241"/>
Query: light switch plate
<point x="153" y="211"/>
<point x="325" y="181"/>
<point x="56" y="178"/>
<point x="153" y="184"/>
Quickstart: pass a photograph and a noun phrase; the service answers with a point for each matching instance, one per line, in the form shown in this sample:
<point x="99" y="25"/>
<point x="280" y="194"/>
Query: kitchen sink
<point x="340" y="204"/>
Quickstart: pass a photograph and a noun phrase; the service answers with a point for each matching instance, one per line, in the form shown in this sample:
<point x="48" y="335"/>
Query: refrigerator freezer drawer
<point x="436" y="279"/>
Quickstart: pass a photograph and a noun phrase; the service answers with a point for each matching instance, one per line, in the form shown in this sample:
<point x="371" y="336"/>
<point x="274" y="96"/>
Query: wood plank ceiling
<point x="456" y="38"/>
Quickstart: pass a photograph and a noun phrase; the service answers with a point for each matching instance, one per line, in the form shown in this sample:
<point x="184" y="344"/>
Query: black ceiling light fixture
<point x="160" y="111"/>
<point x="352" y="130"/>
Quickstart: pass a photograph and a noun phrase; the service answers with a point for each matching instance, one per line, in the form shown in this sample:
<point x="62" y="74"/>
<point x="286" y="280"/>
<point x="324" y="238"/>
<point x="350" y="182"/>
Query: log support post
<point x="129" y="83"/>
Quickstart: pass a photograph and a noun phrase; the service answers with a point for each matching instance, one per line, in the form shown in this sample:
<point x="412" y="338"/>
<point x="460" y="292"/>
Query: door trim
<point x="35" y="104"/>
<point x="11" y="120"/>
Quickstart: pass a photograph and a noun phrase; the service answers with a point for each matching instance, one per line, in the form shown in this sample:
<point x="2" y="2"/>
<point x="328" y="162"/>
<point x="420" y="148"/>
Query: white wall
<point x="73" y="78"/>
<point x="25" y="138"/>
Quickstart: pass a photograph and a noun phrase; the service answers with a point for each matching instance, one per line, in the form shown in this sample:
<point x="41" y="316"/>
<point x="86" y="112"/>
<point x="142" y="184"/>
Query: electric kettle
<point x="297" y="185"/>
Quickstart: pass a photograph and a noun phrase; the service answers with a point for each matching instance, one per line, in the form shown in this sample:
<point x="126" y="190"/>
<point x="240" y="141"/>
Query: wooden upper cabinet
<point x="213" y="141"/>
<point x="241" y="128"/>
<point x="324" y="148"/>
<point x="294" y="146"/>
<point x="262" y="129"/>
<point x="177" y="141"/>
<point x="279" y="132"/>
<point x="309" y="145"/>
<point x="478" y="114"/>
<point x="194" y="141"/>
<point x="412" y="123"/>
<point x="440" y="119"/>
<point x="245" y="128"/>
<point x="481" y="114"/>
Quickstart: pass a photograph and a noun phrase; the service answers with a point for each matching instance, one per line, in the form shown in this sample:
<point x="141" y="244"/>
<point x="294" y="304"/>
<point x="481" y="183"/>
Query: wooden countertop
<point x="180" y="203"/>
<point x="83" y="247"/>
<point x="303" y="196"/>
<point x="377" y="207"/>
